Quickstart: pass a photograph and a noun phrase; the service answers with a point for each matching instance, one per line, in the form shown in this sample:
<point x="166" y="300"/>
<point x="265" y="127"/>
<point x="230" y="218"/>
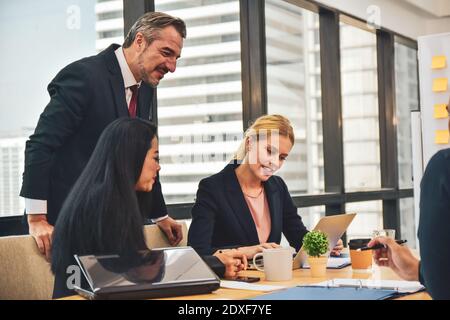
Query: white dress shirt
<point x="35" y="206"/>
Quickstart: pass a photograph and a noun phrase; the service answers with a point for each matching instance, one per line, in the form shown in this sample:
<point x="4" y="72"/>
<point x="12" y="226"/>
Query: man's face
<point x="160" y="56"/>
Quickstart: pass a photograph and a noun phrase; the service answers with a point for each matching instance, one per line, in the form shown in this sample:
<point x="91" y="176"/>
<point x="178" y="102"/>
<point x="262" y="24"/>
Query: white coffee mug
<point x="277" y="263"/>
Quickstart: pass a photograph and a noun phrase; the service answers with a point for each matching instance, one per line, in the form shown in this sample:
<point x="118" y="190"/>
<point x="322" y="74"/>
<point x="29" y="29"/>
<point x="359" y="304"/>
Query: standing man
<point x="85" y="97"/>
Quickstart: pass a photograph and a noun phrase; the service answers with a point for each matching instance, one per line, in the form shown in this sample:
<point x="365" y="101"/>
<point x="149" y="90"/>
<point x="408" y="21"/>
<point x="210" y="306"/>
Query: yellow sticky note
<point x="441" y="137"/>
<point x="440" y="111"/>
<point x="439" y="62"/>
<point x="440" y="84"/>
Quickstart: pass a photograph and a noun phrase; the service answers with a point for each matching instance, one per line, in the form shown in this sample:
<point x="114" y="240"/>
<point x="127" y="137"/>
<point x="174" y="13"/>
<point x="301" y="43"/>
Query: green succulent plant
<point x="315" y="243"/>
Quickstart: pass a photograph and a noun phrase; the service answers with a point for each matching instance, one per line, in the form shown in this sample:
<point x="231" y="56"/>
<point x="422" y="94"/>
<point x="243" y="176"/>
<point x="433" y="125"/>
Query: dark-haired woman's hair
<point x="103" y="213"/>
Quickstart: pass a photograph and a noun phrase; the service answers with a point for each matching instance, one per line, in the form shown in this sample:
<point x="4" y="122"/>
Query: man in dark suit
<point x="86" y="96"/>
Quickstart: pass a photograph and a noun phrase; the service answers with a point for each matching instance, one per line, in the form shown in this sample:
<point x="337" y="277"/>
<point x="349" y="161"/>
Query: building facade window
<point x="407" y="100"/>
<point x="369" y="218"/>
<point x="57" y="33"/>
<point x="200" y="105"/>
<point x="294" y="90"/>
<point x="360" y="109"/>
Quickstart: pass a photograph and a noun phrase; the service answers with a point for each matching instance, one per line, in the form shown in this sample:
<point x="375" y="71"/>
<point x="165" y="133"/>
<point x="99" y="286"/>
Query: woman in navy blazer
<point x="221" y="217"/>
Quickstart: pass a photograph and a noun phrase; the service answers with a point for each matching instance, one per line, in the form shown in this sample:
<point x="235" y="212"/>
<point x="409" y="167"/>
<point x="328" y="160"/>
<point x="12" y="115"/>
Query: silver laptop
<point x="152" y="273"/>
<point x="334" y="227"/>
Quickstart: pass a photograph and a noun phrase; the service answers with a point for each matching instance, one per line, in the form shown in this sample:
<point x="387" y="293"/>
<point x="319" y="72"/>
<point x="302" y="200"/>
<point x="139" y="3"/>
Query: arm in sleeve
<point x="33" y="206"/>
<point x="434" y="235"/>
<point x="69" y="96"/>
<point x="203" y="220"/>
<point x="293" y="228"/>
<point x="215" y="264"/>
<point x="158" y="209"/>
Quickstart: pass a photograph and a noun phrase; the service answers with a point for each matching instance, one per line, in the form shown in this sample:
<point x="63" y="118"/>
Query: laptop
<point x="156" y="273"/>
<point x="334" y="227"/>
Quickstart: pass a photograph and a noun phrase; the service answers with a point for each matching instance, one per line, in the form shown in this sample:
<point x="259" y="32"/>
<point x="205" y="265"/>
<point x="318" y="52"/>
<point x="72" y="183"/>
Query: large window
<point x="369" y="218"/>
<point x="407" y="100"/>
<point x="200" y="105"/>
<point x="293" y="90"/>
<point x="310" y="217"/>
<point x="360" y="109"/>
<point x="42" y="37"/>
<point x="407" y="221"/>
<point x="360" y="125"/>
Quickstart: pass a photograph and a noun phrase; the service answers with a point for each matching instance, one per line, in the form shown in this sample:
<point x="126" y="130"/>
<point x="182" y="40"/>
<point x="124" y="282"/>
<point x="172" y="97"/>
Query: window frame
<point x="254" y="99"/>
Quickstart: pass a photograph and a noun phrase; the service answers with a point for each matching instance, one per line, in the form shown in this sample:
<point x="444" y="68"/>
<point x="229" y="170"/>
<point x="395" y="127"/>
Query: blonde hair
<point x="266" y="124"/>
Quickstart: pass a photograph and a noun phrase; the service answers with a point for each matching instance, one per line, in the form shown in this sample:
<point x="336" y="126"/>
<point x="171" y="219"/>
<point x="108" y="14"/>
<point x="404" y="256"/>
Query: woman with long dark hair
<point x="104" y="212"/>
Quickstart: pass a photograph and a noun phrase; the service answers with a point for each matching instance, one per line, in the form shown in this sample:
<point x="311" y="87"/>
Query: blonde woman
<point x="245" y="206"/>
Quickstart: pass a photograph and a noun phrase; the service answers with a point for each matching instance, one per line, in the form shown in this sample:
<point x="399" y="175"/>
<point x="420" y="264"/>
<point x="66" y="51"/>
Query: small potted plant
<point x="315" y="244"/>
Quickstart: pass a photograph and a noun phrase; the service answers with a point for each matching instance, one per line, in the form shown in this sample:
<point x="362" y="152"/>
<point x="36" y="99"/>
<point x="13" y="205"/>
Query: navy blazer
<point x="433" y="233"/>
<point x="221" y="217"/>
<point x="85" y="97"/>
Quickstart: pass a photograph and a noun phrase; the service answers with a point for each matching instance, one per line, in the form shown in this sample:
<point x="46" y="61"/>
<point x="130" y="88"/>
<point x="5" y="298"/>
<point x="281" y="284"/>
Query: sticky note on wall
<point x="440" y="111"/>
<point x="440" y="84"/>
<point x="439" y="62"/>
<point x="441" y="137"/>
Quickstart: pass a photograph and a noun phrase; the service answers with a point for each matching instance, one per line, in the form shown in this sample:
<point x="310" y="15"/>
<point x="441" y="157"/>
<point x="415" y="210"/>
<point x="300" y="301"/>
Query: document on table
<point x="398" y="285"/>
<point x="248" y="286"/>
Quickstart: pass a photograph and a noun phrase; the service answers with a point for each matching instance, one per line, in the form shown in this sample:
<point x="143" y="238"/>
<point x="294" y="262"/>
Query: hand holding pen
<point x="379" y="246"/>
<point x="398" y="258"/>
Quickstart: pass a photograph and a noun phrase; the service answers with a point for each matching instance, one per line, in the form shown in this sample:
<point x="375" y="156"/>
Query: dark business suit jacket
<point x="434" y="226"/>
<point x="221" y="217"/>
<point x="85" y="97"/>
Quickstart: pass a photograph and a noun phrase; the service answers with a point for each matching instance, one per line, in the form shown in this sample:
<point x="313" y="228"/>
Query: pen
<point x="379" y="246"/>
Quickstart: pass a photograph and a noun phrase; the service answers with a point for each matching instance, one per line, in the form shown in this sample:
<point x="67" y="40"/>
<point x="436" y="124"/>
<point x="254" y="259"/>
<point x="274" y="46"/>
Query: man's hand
<point x="398" y="258"/>
<point x="172" y="229"/>
<point x="42" y="232"/>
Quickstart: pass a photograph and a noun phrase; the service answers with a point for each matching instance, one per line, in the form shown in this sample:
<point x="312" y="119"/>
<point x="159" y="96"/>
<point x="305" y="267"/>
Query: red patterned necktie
<point x="133" y="101"/>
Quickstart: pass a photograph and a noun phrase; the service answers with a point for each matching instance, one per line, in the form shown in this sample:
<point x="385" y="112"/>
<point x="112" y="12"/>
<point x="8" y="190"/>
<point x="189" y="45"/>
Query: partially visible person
<point x="433" y="269"/>
<point x="85" y="97"/>
<point x="245" y="206"/>
<point x="105" y="210"/>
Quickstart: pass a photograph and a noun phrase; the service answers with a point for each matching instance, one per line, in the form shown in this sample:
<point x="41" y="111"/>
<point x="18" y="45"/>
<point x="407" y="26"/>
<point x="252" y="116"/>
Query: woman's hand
<point x="233" y="260"/>
<point x="337" y="248"/>
<point x="250" y="251"/>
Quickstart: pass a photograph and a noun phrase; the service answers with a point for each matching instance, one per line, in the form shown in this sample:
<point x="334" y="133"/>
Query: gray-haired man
<point x="86" y="96"/>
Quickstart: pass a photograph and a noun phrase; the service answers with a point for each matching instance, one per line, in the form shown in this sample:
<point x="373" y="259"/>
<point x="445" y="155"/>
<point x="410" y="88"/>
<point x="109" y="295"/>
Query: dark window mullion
<point x="133" y="9"/>
<point x="331" y="107"/>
